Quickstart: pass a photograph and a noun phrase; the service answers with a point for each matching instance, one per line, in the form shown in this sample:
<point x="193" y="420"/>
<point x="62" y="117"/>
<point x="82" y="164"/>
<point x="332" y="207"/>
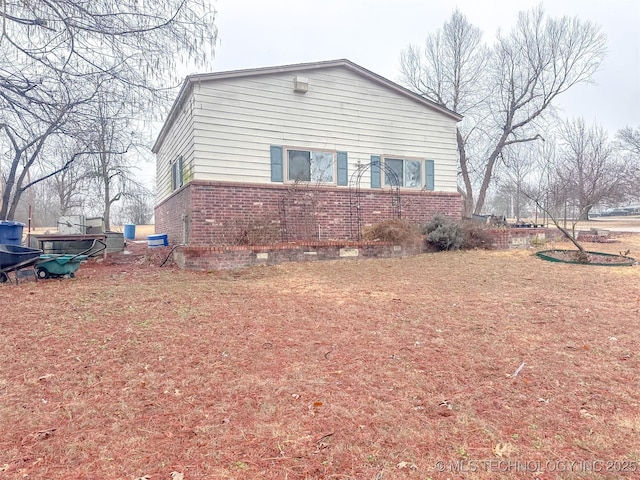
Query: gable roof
<point x="190" y="80"/>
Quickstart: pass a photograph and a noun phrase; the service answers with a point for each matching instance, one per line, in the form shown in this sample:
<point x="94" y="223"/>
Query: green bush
<point x="443" y="233"/>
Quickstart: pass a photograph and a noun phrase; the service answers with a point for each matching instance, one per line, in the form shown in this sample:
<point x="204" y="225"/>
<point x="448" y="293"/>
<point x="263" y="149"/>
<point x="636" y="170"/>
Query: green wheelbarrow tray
<point x="51" y="265"/>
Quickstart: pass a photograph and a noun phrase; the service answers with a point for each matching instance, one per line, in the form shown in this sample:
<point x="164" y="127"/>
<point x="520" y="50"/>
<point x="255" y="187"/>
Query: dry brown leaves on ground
<point x="353" y="369"/>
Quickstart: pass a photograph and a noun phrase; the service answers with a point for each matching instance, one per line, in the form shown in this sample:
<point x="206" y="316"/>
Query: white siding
<point x="179" y="141"/>
<point x="237" y="119"/>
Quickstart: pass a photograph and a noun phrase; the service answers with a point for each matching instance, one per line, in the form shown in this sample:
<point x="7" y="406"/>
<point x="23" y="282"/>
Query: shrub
<point x="538" y="241"/>
<point x="475" y="235"/>
<point x="394" y="230"/>
<point x="261" y="231"/>
<point x="443" y="233"/>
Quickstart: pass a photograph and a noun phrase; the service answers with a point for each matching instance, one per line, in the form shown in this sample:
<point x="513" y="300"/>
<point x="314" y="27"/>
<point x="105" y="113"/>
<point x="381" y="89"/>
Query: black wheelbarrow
<point x="16" y="257"/>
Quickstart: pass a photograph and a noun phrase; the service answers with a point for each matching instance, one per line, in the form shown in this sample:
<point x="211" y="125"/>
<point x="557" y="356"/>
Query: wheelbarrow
<point x="52" y="265"/>
<point x="16" y="257"/>
<point x="55" y="266"/>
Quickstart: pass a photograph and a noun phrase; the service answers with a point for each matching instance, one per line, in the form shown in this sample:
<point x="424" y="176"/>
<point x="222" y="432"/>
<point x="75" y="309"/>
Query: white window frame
<point x="311" y="151"/>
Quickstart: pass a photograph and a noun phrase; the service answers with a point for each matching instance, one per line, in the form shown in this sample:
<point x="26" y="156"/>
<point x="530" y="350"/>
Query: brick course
<point x="506" y="238"/>
<point x="213" y="215"/>
<point x="217" y="213"/>
<point x="229" y="257"/>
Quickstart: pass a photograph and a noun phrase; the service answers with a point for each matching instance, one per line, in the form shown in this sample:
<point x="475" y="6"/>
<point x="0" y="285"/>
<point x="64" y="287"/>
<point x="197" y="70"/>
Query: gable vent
<point x="300" y="84"/>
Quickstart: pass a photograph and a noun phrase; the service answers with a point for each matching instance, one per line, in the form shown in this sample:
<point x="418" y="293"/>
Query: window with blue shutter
<point x="176" y="173"/>
<point x="343" y="168"/>
<point x="430" y="176"/>
<point x="276" y="164"/>
<point x="375" y="172"/>
<point x="403" y="172"/>
<point x="306" y="165"/>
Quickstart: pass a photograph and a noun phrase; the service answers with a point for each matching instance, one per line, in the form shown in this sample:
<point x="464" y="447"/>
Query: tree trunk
<point x="6" y="197"/>
<point x="568" y="235"/>
<point x="584" y="213"/>
<point x="8" y="188"/>
<point x="488" y="174"/>
<point x="107" y="199"/>
<point x="464" y="169"/>
<point x="107" y="214"/>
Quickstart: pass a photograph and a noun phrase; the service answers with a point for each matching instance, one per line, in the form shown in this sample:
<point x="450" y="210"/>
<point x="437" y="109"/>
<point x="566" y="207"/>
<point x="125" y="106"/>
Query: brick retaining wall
<point x="506" y="238"/>
<point x="229" y="257"/>
<point x="222" y="258"/>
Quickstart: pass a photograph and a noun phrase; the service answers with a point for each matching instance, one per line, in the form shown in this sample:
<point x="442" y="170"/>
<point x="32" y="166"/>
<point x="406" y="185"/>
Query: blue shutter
<point x="276" y="164"/>
<point x="375" y="172"/>
<point x="343" y="169"/>
<point x="430" y="177"/>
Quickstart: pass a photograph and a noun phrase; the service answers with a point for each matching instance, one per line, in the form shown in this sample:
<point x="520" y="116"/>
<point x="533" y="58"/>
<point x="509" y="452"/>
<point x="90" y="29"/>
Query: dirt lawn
<point x="452" y="365"/>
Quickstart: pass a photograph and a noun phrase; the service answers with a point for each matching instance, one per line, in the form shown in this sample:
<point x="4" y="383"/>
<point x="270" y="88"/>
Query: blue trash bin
<point x="129" y="232"/>
<point x="11" y="232"/>
<point x="158" y="240"/>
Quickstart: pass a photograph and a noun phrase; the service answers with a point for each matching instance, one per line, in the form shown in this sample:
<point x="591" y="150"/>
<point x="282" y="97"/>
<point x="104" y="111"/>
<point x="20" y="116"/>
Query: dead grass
<point x="395" y="230"/>
<point x="353" y="369"/>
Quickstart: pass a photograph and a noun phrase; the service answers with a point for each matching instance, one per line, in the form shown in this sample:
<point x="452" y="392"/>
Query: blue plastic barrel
<point x="158" y="240"/>
<point x="11" y="232"/>
<point x="129" y="232"/>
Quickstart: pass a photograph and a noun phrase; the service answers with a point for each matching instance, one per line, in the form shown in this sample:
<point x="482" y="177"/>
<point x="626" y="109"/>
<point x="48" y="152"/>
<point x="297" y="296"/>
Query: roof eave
<point x="173" y="112"/>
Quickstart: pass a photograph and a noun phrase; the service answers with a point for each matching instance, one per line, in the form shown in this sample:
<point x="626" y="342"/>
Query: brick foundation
<point x="216" y="213"/>
<point x="172" y="216"/>
<point x="287" y="223"/>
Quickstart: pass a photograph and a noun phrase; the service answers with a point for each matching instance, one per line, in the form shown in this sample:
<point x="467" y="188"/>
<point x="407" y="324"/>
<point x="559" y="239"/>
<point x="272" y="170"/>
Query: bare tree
<point x="138" y="207"/>
<point x="628" y="146"/>
<point x="112" y="133"/>
<point x="26" y="125"/>
<point x="527" y="69"/>
<point x="66" y="188"/>
<point x="588" y="168"/>
<point x="58" y="54"/>
<point x="629" y="139"/>
<point x="549" y="196"/>
<point x="450" y="70"/>
<point x="138" y="43"/>
<point x="520" y="165"/>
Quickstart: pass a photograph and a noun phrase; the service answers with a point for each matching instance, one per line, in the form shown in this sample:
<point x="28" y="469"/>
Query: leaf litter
<point x="134" y="368"/>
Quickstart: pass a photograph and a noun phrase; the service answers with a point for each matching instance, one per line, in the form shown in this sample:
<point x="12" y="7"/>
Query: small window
<point x="176" y="173"/>
<point x="310" y="166"/>
<point x="403" y="173"/>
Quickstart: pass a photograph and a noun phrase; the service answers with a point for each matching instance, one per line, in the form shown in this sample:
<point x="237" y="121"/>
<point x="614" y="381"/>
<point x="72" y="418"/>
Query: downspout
<point x="185" y="229"/>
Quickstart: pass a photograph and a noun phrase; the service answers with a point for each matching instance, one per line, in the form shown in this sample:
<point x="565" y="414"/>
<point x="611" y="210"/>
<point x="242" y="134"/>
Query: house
<point x="307" y="151"/>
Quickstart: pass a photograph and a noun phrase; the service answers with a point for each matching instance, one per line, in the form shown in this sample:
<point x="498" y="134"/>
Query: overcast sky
<point x="373" y="33"/>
